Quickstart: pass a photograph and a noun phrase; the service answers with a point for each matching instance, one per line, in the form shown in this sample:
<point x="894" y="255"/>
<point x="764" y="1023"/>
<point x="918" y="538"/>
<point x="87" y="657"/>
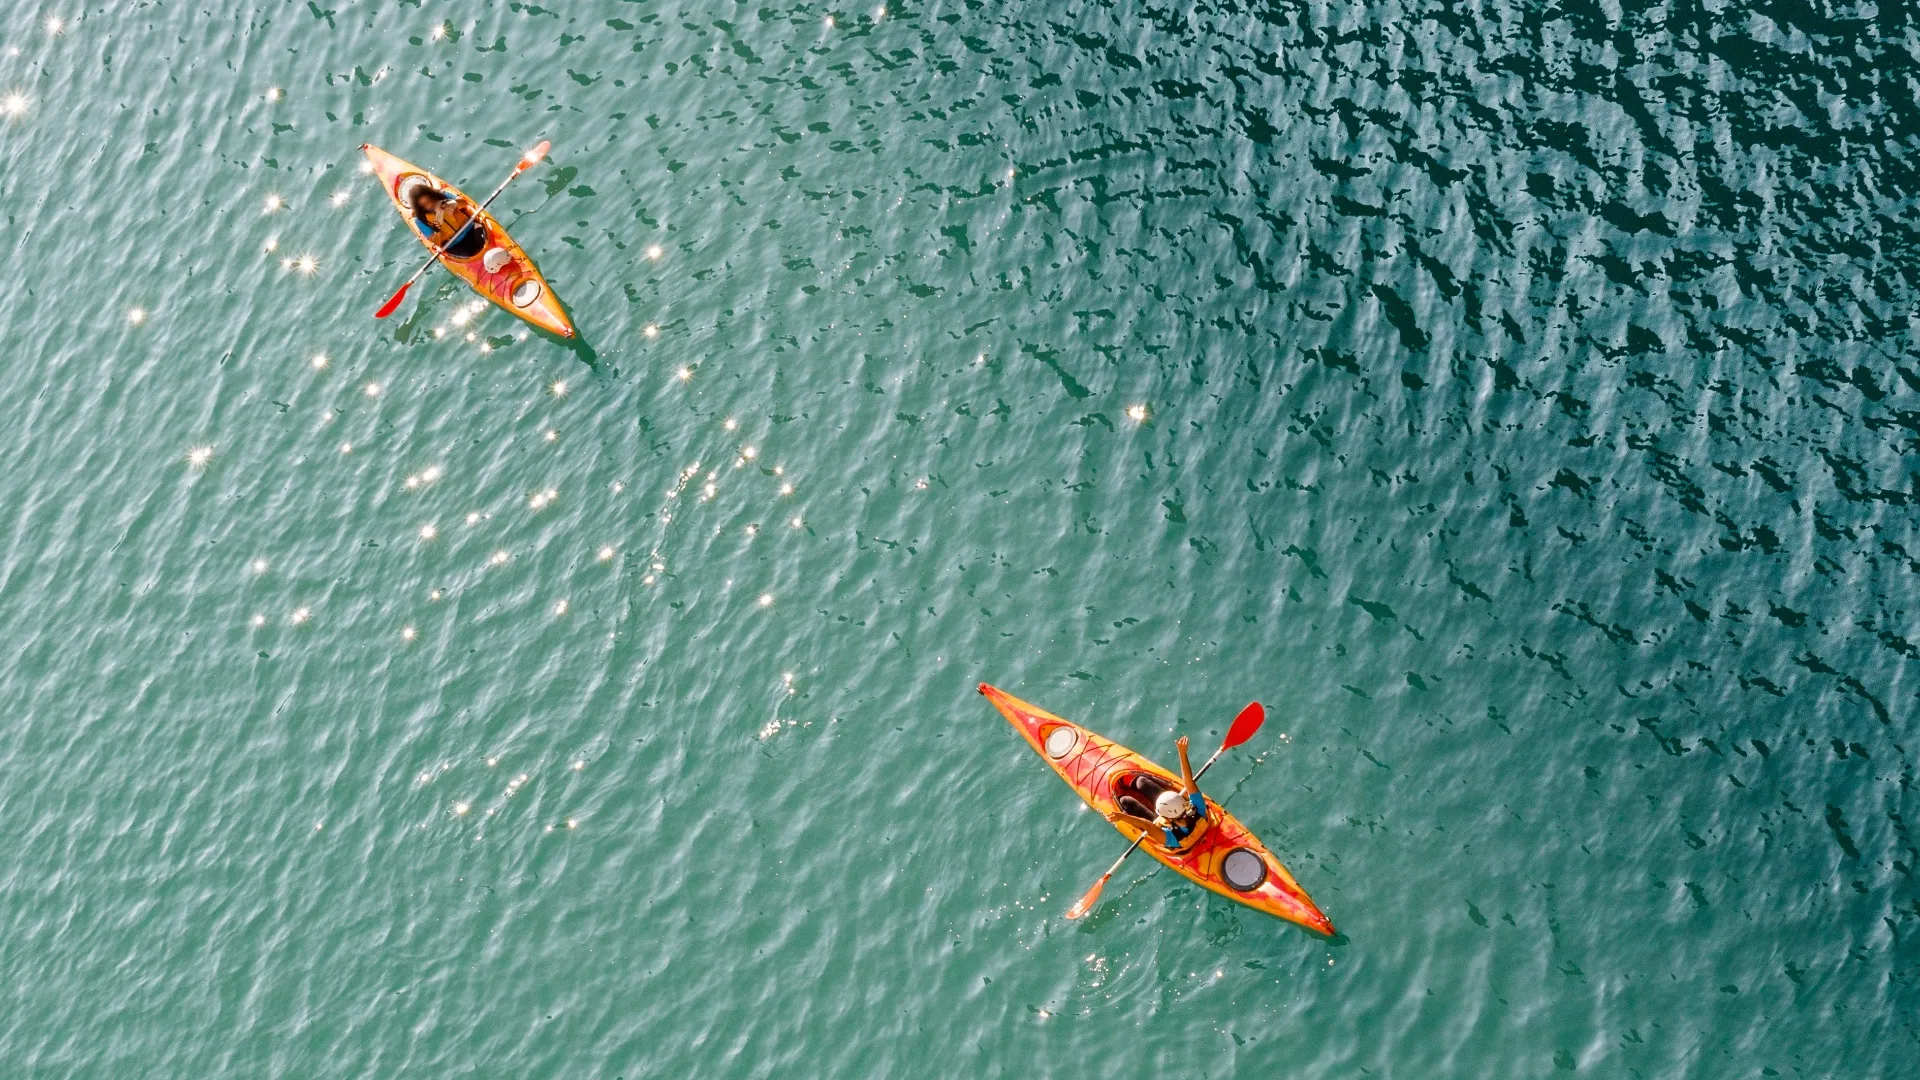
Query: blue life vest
<point x="1178" y="833"/>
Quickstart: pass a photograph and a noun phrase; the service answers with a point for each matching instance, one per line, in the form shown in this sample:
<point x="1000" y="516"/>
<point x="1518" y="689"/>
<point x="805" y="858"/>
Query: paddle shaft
<point x="523" y="165"/>
<point x="1092" y="897"/>
<point x="442" y="249"/>
<point x="1138" y="840"/>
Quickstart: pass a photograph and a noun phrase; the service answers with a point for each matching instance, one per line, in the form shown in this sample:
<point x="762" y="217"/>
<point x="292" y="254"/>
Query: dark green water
<point x="1530" y="408"/>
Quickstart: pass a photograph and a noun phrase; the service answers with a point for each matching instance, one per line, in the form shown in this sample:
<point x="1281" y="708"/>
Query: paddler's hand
<point x="1181" y="744"/>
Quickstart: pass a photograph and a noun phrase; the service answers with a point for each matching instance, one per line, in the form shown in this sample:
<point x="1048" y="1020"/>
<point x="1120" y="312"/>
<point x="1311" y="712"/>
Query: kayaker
<point x="446" y="220"/>
<point x="1179" y="813"/>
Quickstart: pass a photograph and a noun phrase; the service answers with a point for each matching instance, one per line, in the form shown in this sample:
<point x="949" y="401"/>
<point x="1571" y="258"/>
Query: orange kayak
<point x="496" y="267"/>
<point x="1222" y="856"/>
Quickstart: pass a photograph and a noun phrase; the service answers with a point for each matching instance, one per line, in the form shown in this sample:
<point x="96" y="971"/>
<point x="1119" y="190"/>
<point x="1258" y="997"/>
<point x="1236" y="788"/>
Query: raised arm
<point x="1187" y="786"/>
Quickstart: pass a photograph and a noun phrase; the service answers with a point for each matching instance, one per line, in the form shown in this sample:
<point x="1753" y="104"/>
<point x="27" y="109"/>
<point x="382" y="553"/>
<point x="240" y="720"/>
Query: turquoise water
<point x="1518" y="399"/>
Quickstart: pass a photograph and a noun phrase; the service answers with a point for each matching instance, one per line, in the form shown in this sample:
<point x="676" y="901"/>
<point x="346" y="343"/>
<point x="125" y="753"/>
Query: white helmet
<point x="1171" y="805"/>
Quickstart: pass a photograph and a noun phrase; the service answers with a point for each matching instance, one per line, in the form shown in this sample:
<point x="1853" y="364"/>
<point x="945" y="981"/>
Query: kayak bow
<point x="508" y="278"/>
<point x="1223" y="856"/>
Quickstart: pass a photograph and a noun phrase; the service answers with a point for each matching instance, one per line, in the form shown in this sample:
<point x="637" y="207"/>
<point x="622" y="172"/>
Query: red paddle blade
<point x="393" y="302"/>
<point x="533" y="156"/>
<point x="1245" y="725"/>
<point x="1085" y="903"/>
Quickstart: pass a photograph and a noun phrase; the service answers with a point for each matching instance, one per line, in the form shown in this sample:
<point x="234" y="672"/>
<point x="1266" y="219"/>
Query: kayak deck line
<point x="1224" y="856"/>
<point x="509" y="278"/>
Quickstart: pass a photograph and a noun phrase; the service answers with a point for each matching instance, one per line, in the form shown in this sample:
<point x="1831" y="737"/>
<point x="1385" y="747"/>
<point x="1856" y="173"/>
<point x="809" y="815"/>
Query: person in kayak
<point x="1179" y="813"/>
<point x="447" y="221"/>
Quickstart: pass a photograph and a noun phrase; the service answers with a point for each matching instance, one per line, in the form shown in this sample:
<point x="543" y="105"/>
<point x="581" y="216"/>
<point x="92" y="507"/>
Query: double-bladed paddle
<point x="1242" y="729"/>
<point x="531" y="159"/>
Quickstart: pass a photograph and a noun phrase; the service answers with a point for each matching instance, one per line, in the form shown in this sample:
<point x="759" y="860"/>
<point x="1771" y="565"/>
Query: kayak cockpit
<point x="1135" y="792"/>
<point x="471" y="241"/>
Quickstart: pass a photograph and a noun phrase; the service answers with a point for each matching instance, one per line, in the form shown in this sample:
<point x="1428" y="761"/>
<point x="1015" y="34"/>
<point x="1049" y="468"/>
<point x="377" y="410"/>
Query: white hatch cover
<point x="1061" y="741"/>
<point x="1243" y="869"/>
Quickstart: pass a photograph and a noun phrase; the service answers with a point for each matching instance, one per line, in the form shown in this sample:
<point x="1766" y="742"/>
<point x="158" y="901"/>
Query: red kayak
<point x="1222" y="855"/>
<point x="494" y="265"/>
